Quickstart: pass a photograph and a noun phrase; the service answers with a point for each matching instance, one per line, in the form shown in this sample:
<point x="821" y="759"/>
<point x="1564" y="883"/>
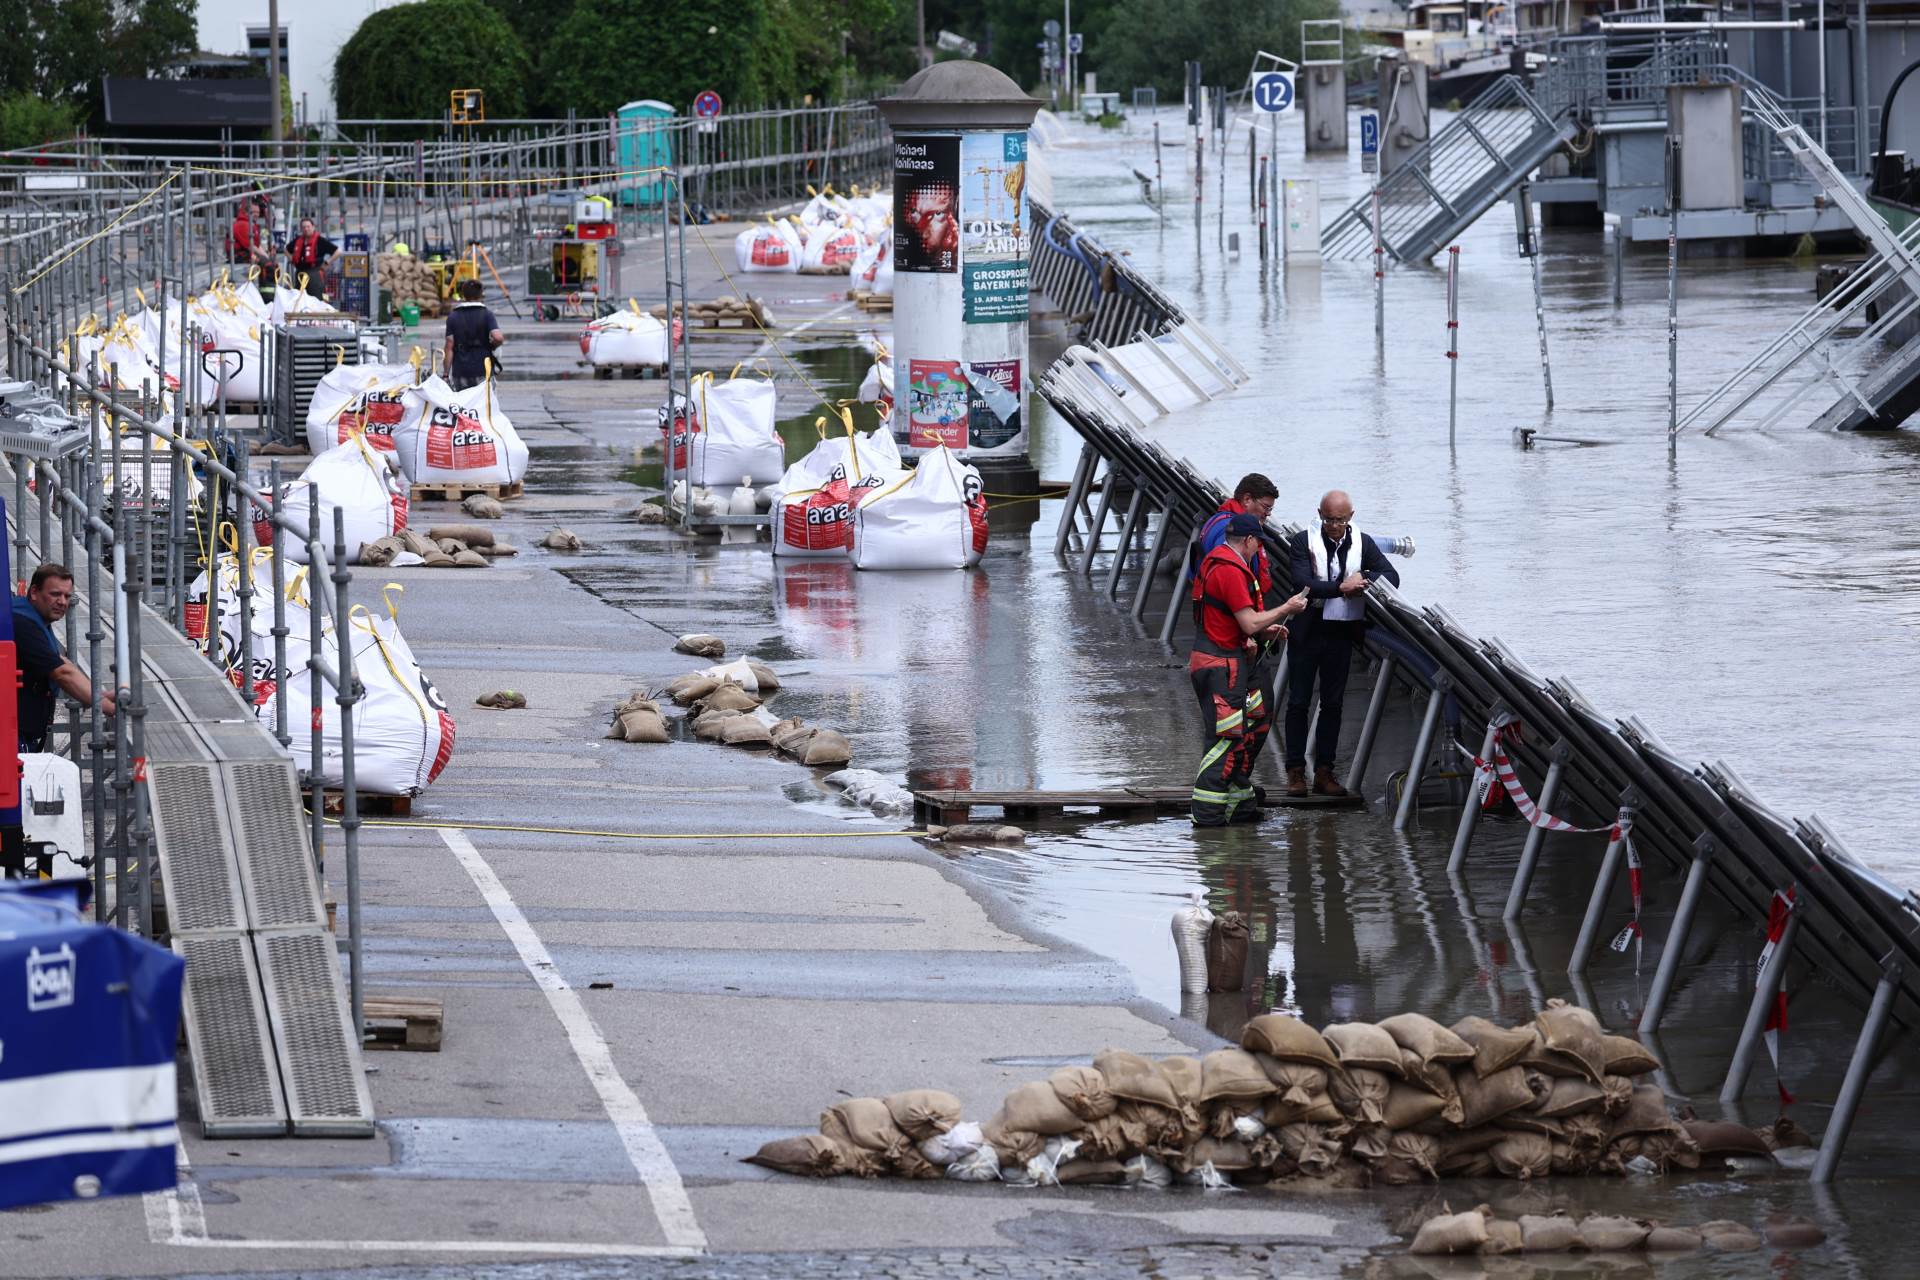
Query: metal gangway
<point x="1492" y="146"/>
<point x="1840" y="344"/>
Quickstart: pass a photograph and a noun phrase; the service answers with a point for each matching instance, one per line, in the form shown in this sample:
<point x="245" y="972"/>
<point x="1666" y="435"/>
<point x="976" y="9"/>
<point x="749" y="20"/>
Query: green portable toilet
<point x="646" y="142"/>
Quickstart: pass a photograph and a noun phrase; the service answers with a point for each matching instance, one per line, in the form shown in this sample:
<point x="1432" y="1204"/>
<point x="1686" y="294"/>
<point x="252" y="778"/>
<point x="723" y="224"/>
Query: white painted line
<point x="176" y="1216"/>
<point x="553" y="1247"/>
<point x="644" y="1148"/>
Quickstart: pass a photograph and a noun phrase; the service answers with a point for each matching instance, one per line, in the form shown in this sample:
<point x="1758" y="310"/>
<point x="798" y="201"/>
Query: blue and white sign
<point x="1369" y="141"/>
<point x="1076" y="43"/>
<point x="1273" y="92"/>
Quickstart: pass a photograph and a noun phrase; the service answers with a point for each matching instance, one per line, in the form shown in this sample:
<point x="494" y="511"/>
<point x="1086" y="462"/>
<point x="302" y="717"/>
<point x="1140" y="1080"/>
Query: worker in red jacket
<point x="309" y="254"/>
<point x="1232" y="628"/>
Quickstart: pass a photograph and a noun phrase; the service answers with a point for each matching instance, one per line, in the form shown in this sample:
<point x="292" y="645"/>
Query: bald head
<point x="1336" y="505"/>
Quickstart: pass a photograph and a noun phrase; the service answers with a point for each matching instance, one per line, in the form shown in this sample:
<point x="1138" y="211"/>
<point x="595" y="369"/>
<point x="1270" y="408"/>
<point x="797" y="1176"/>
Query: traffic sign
<point x="1076" y="43"/>
<point x="1369" y="141"/>
<point x="1273" y="91"/>
<point x="707" y="105"/>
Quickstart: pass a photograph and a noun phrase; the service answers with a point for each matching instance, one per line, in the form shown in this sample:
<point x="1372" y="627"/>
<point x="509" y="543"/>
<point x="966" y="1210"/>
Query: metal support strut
<point x="1764" y="991"/>
<point x="1417" y="766"/>
<point x="1370" y="727"/>
<point x="1858" y="1069"/>
<point x="1470" y="811"/>
<point x="1663" y="977"/>
<point x="1537" y="835"/>
<point x="1602" y="890"/>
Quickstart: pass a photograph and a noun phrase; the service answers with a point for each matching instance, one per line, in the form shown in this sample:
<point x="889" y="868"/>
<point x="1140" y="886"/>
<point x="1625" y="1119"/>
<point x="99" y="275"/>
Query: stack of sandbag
<point x="405" y="278"/>
<point x="867" y="1137"/>
<point x="463" y="439"/>
<point x="1482" y="1231"/>
<point x="374" y="401"/>
<point x="934" y="517"/>
<point x="638" y="719"/>
<point x="1402" y="1101"/>
<point x="813" y="503"/>
<point x="709" y="314"/>
<point x="362" y="483"/>
<point x="724" y="703"/>
<point x="625" y="338"/>
<point x="459" y="546"/>
<point x="774" y="246"/>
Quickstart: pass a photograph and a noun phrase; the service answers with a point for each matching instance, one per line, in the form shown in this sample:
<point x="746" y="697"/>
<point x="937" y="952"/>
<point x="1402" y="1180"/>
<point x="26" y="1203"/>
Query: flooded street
<point x="1752" y="599"/>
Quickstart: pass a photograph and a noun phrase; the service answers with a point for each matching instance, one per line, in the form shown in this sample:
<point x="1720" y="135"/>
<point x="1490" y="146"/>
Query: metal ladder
<point x="1492" y="146"/>
<point x="1838" y="344"/>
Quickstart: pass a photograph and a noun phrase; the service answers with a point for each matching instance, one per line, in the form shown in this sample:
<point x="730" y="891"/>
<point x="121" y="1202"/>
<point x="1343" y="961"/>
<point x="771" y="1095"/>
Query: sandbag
<point x="1309" y="1147"/>
<point x="1434" y="1077"/>
<point x="824" y="748"/>
<point x="1627" y="1057"/>
<point x="373" y="400"/>
<point x="1318" y="1109"/>
<point x="1086" y="1172"/>
<point x="933" y="518"/>
<point x="1426" y="1039"/>
<point x="1549" y="1234"/>
<point x="1013" y="1146"/>
<point x="1724" y="1138"/>
<point x="1410" y="1158"/>
<point x="469" y="535"/>
<point x="1568" y="1096"/>
<point x="689" y="689"/>
<point x="1484" y="1101"/>
<point x="352" y="478"/>
<point x="923" y="1113"/>
<point x="1084" y="1092"/>
<point x="865" y="1123"/>
<point x="1287" y="1039"/>
<point x="1233" y="1074"/>
<point x="1673" y="1240"/>
<point x="745" y="731"/>
<point x="1503" y="1237"/>
<point x="1646" y="1113"/>
<point x="1608" y="1234"/>
<point x="1450" y="1233"/>
<point x="769" y="247"/>
<point x="1228" y="1155"/>
<point x="643" y="724"/>
<point x="1573" y="1033"/>
<point x="732" y="433"/>
<point x="1035" y="1108"/>
<point x="1299" y="1083"/>
<point x="1407" y="1106"/>
<point x="1362" y="1044"/>
<point x="701" y="645"/>
<point x="1128" y="1075"/>
<point x="1495" y="1048"/>
<point x="726" y="697"/>
<point x="463" y="438"/>
<point x="810" y="1155"/>
<point x="1523" y="1155"/>
<point x="1361" y="1094"/>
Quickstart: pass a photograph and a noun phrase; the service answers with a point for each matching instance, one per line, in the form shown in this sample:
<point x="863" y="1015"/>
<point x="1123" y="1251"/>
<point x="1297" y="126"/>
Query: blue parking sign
<point x="1369" y="132"/>
<point x="1273" y="92"/>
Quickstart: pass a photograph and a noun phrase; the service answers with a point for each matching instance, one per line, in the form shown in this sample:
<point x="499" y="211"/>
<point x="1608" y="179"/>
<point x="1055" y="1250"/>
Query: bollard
<point x="1765" y="989"/>
<point x="1602" y="888"/>
<point x="1664" y="976"/>
<point x="1470" y="812"/>
<point x="1370" y="727"/>
<point x="1261" y="208"/>
<point x="1834" y="1140"/>
<point x="1536" y="835"/>
<point x="1418" y="765"/>
<point x="1453" y="340"/>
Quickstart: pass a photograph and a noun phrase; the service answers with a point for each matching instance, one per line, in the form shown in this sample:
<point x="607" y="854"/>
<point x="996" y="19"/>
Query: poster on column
<point x="926" y="203"/>
<point x="993" y="403"/>
<point x="936" y="404"/>
<point x="994" y="238"/>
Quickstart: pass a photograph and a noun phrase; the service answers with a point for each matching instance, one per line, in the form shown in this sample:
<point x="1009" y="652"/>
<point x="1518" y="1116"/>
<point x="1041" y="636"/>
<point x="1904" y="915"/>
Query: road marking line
<point x="644" y="1148"/>
<point x="176" y="1216"/>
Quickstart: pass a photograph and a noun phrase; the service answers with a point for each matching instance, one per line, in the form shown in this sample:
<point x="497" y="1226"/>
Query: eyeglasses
<point x="1347" y="519"/>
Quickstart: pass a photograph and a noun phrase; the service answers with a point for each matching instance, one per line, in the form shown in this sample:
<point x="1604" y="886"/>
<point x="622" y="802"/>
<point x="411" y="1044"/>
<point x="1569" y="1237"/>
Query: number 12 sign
<point x="1273" y="91"/>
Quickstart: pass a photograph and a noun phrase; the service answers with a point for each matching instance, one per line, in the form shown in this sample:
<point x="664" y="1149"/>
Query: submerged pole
<point x="1673" y="294"/>
<point x="1453" y="341"/>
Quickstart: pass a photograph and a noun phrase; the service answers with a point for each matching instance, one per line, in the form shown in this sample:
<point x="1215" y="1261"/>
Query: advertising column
<point x="961" y="242"/>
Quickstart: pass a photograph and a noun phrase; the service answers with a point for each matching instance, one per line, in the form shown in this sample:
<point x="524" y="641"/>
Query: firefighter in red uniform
<point x="1255" y="495"/>
<point x="1232" y="628"/>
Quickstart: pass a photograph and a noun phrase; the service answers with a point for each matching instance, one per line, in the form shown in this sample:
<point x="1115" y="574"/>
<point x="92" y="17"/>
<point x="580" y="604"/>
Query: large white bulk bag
<point x="463" y="438"/>
<point x="291" y="300"/>
<point x="733" y="432"/>
<point x="625" y="338"/>
<point x="814" y="504"/>
<point x="883" y="276"/>
<point x="361" y="482"/>
<point x="773" y="246"/>
<point x="372" y="400"/>
<point x="236" y="353"/>
<point x="831" y="249"/>
<point x="865" y="268"/>
<point x="877" y="386"/>
<point x="935" y="517"/>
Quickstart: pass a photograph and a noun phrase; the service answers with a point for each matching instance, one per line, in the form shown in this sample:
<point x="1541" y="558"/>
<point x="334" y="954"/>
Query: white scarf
<point x="1337" y="608"/>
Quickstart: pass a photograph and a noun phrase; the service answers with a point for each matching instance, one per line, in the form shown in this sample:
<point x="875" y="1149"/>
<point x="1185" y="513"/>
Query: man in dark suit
<point x="1334" y="562"/>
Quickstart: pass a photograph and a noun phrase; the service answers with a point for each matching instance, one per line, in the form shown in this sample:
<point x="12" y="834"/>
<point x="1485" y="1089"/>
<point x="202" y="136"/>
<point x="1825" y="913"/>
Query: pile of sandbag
<point x="748" y="311"/>
<point x="625" y="338"/>
<point x="405" y="278"/>
<point x="1402" y="1101"/>
<point x="726" y="704"/>
<point x="934" y="517"/>
<point x="460" y="546"/>
<point x="1482" y="1231"/>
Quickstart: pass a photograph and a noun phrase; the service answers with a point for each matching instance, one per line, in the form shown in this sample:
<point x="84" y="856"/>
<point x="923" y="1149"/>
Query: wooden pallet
<point x="378" y="806"/>
<point x="868" y="300"/>
<point x="455" y="492"/>
<point x="729" y="320"/>
<point x="605" y="372"/>
<point x="949" y="808"/>
<point x="403" y="1022"/>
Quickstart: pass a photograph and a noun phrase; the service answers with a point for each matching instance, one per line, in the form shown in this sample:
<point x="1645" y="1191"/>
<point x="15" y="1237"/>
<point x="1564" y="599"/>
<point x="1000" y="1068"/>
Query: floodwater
<point x="1753" y="598"/>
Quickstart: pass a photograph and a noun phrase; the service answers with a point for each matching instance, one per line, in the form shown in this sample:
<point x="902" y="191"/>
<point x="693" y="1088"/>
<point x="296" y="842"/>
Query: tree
<point x="28" y="121"/>
<point x="58" y="50"/>
<point x="1147" y="42"/>
<point x="403" y="62"/>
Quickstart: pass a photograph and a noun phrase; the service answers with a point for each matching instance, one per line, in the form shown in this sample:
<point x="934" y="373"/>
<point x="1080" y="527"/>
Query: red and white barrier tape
<point x="1502" y="769"/>
<point x="1777" y="913"/>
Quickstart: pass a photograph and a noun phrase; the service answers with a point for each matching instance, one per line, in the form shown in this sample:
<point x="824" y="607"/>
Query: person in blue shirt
<point x="37" y="655"/>
<point x="473" y="335"/>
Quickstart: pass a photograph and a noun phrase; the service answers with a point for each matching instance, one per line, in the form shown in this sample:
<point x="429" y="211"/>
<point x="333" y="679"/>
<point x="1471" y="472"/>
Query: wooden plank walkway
<point x="949" y="808"/>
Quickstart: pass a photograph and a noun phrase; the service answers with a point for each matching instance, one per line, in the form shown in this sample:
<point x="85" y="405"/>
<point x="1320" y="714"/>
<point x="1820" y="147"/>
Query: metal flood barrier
<point x="1699" y="822"/>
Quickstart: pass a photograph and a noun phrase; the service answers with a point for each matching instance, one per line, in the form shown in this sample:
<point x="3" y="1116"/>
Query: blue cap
<point x="1243" y="525"/>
